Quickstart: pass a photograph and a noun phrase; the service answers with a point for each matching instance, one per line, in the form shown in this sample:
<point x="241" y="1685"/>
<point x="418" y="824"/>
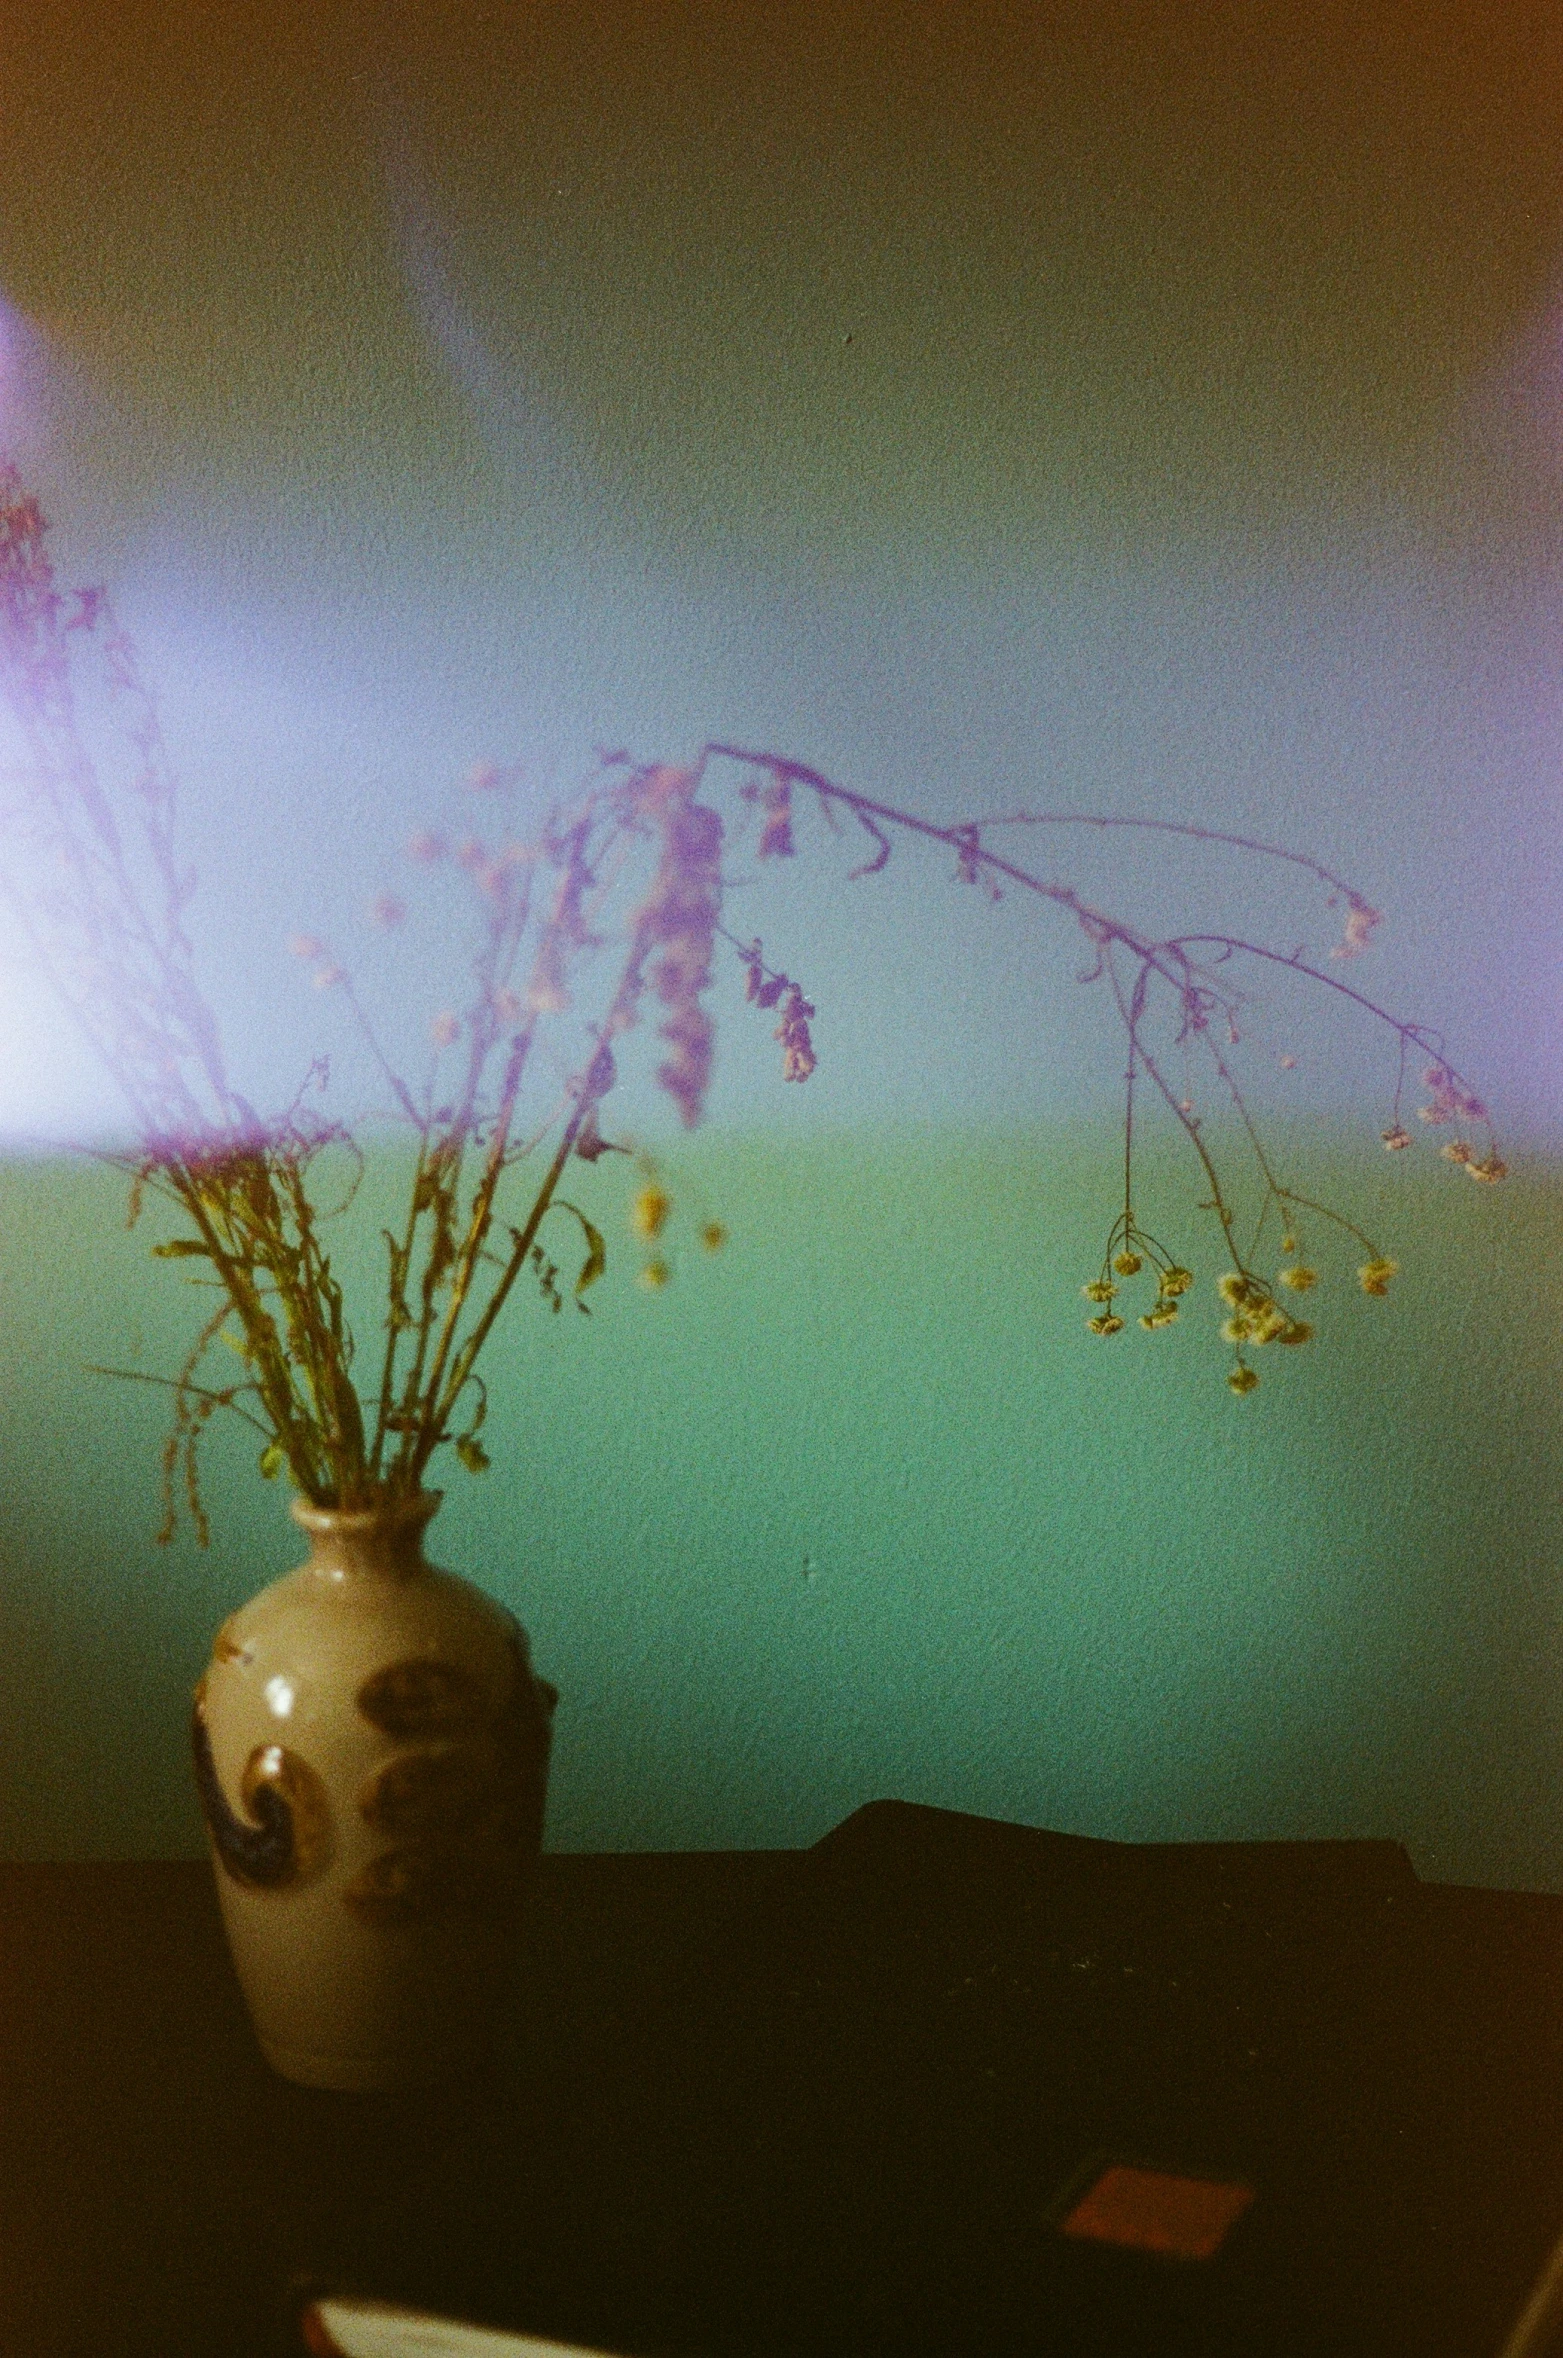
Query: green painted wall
<point x="858" y="1508"/>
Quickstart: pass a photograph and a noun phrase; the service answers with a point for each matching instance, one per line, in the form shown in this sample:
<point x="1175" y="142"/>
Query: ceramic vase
<point x="371" y="1751"/>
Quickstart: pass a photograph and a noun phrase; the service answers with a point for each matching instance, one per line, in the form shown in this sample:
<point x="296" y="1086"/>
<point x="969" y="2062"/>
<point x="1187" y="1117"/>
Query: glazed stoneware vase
<point x="371" y="1751"/>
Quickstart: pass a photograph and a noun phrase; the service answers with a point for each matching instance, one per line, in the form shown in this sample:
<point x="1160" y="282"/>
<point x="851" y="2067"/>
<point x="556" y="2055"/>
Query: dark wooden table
<point x="816" y="2101"/>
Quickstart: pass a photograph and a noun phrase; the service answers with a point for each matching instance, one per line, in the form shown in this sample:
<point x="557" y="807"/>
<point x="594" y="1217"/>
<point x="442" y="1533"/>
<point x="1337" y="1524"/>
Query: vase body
<point x="371" y="1748"/>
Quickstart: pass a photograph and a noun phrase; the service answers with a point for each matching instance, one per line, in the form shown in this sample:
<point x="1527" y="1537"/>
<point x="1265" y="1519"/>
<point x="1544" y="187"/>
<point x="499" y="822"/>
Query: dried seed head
<point x="1360" y="921"/>
<point x="649" y="1212"/>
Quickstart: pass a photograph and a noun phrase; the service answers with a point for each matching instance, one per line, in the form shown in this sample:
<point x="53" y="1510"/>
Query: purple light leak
<point x="506" y="409"/>
<point x="1516" y="410"/>
<point x="1515" y="418"/>
<point x="23" y="368"/>
<point x="49" y="1085"/>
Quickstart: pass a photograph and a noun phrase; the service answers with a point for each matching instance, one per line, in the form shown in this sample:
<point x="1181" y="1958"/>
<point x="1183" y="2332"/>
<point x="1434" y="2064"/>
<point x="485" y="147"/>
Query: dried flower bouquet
<point x="107" y="927"/>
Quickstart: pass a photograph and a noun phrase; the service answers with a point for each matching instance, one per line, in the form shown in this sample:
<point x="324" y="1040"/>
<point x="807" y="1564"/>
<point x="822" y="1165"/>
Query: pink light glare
<point x="23" y="361"/>
<point x="10" y="406"/>
<point x="53" y="1094"/>
<point x="1515" y="408"/>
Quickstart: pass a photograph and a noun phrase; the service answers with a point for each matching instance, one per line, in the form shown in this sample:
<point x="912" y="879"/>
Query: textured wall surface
<point x="1147" y="410"/>
<point x="859" y="1508"/>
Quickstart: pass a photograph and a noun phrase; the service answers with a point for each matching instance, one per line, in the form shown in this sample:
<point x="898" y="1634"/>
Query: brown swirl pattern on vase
<point x="440" y="1791"/>
<point x="287" y="1836"/>
<point x="465" y="1816"/>
<point x="419" y="1880"/>
<point x="423" y="1697"/>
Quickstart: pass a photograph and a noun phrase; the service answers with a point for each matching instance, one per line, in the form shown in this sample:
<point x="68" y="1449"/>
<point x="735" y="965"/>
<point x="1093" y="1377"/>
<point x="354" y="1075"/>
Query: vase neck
<point x="374" y="1543"/>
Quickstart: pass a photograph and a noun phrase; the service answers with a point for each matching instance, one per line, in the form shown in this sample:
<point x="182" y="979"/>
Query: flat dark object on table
<point x="836" y="2101"/>
<point x="853" y="2117"/>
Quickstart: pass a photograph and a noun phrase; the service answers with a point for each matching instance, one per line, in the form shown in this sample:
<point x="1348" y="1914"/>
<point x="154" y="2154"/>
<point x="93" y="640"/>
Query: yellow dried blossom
<point x="1492" y="1170"/>
<point x="1176" y="1281"/>
<point x="655" y="1275"/>
<point x="1105" y="1325"/>
<point x="1297" y="1331"/>
<point x="1237" y="1289"/>
<point x="1236" y="1330"/>
<point x="1396" y="1138"/>
<point x="1128" y="1264"/>
<point x="1163" y="1315"/>
<point x="1374" y="1276"/>
<point x="1099" y="1290"/>
<point x="1241" y="1380"/>
<point x="1300" y="1278"/>
<point x="1457" y="1151"/>
<point x="713" y="1236"/>
<point x="649" y="1213"/>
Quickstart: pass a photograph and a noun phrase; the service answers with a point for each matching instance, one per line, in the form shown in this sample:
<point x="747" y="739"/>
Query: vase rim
<point x="353" y="1522"/>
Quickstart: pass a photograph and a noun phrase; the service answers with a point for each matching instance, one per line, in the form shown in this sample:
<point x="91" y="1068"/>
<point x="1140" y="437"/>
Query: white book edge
<point x="342" y="2327"/>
